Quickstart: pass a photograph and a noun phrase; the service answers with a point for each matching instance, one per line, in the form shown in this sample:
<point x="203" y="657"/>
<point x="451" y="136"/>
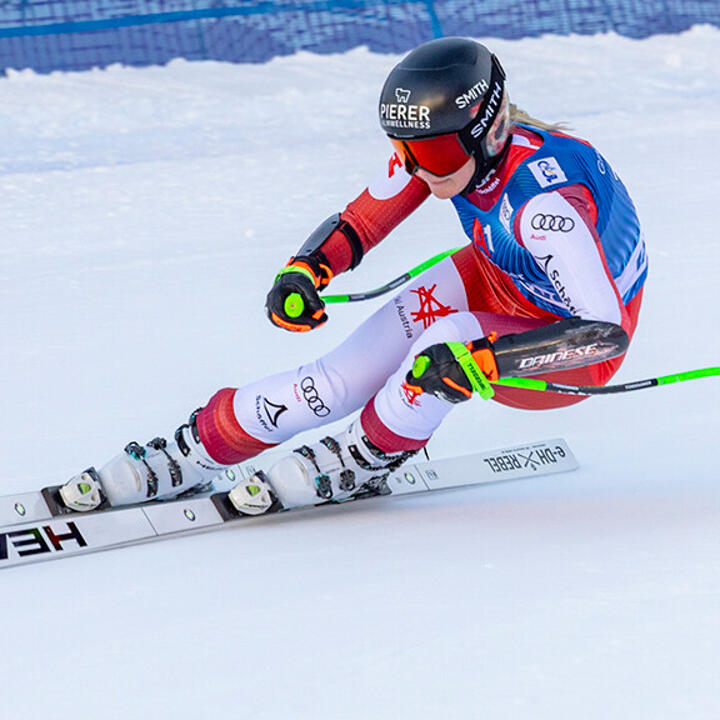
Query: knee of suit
<point x="458" y="327"/>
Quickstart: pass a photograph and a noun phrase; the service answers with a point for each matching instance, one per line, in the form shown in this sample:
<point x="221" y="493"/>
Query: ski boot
<point x="334" y="469"/>
<point x="157" y="470"/>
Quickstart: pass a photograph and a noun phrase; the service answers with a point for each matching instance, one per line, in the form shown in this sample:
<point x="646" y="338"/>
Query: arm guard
<point x="562" y="345"/>
<point x="312" y="247"/>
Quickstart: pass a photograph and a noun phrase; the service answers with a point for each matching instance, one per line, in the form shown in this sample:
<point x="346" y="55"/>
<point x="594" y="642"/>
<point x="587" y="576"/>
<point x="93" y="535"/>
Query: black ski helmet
<point x="446" y="102"/>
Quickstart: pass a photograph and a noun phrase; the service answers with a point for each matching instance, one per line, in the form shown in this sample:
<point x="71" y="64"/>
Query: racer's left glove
<point x="452" y="371"/>
<point x="293" y="302"/>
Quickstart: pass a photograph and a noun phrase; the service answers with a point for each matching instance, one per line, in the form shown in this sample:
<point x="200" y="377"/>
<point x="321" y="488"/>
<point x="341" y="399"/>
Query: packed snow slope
<point x="144" y="213"/>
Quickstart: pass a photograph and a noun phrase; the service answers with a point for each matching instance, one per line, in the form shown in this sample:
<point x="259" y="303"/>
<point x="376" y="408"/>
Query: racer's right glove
<point x="293" y="302"/>
<point x="452" y="371"/>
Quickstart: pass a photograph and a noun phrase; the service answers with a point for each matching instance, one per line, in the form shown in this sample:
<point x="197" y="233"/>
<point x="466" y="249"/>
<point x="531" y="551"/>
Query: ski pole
<point x="544" y="386"/>
<point x="400" y="280"/>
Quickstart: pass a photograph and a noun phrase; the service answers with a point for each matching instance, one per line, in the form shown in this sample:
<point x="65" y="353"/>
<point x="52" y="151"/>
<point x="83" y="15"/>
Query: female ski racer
<point x="554" y="240"/>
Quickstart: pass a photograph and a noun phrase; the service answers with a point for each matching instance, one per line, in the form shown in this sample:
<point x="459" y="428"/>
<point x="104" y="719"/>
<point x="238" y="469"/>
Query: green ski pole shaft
<point x="545" y="386"/>
<point x="400" y="280"/>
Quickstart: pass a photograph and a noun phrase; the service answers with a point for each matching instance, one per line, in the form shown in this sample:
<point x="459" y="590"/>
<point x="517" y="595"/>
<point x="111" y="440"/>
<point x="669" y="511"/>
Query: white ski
<point x="49" y="538"/>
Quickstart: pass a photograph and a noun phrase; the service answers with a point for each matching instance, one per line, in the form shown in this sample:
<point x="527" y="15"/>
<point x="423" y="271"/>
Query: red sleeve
<point x="381" y="207"/>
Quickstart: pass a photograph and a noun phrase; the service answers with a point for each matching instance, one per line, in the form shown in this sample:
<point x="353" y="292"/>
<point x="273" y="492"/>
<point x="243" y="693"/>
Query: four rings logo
<point x="557" y="223"/>
<point x="312" y="398"/>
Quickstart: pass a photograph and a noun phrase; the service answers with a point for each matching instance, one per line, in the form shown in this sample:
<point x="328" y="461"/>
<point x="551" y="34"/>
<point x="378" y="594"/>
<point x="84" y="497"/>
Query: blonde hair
<point x="519" y="115"/>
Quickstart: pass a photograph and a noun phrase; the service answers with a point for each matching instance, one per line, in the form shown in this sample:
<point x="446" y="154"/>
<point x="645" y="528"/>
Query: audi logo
<point x="558" y="223"/>
<point x="312" y="398"/>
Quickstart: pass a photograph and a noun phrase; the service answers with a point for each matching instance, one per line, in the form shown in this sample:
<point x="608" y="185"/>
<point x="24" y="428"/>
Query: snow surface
<point x="144" y="213"/>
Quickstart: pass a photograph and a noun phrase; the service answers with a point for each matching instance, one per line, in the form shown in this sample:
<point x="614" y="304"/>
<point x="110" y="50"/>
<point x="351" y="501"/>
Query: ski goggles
<point x="446" y="153"/>
<point x="439" y="155"/>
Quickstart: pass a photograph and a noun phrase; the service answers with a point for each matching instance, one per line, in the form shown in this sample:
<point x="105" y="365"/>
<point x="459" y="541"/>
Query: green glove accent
<point x="421" y="364"/>
<point x="295" y="269"/>
<point x="478" y="382"/>
<point x="294" y="305"/>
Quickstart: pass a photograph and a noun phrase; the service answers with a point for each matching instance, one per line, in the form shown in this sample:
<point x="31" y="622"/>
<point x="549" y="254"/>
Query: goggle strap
<point x="469" y="140"/>
<point x="411" y="162"/>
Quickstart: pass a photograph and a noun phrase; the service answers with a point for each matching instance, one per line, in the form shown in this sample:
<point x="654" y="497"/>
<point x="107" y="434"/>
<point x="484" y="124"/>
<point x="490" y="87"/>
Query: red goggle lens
<point x="440" y="155"/>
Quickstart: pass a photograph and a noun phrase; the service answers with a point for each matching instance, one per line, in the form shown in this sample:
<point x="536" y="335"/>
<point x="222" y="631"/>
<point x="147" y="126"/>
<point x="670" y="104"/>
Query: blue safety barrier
<point x="51" y="35"/>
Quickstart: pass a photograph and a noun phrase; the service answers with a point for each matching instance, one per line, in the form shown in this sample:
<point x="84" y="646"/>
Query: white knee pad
<point x="458" y="327"/>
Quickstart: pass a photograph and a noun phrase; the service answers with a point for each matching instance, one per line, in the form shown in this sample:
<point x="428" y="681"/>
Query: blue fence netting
<point x="51" y="35"/>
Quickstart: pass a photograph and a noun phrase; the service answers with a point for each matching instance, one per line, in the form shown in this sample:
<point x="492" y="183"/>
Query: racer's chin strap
<point x="484" y="167"/>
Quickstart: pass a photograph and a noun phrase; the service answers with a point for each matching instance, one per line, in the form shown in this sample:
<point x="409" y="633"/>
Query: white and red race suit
<point x="554" y="234"/>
